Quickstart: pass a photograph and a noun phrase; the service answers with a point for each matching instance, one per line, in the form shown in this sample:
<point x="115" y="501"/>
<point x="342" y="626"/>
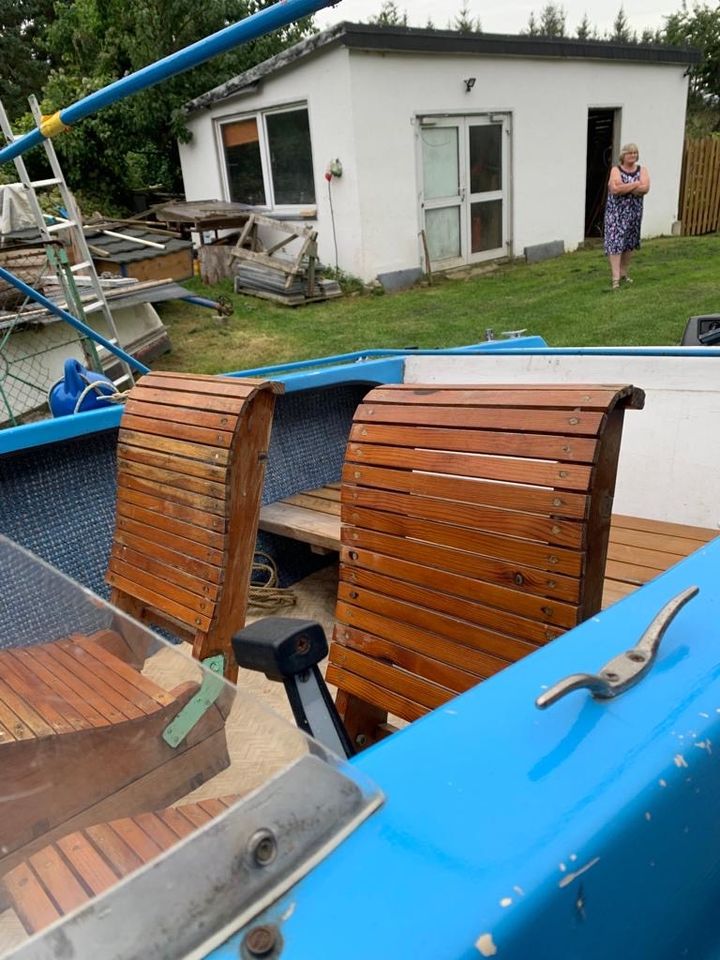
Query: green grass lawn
<point x="566" y="300"/>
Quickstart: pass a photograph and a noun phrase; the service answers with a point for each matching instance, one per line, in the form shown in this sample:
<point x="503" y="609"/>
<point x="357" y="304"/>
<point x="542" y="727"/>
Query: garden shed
<point x="405" y="146"/>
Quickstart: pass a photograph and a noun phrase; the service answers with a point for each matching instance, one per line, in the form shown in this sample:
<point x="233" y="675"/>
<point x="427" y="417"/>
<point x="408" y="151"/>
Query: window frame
<point x="260" y="117"/>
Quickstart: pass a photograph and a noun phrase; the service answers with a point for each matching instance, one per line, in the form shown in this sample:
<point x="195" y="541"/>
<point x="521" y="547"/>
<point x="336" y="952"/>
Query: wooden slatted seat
<point x="475" y="526"/>
<point x="81" y="740"/>
<point x="67" y="874"/>
<point x="191" y="463"/>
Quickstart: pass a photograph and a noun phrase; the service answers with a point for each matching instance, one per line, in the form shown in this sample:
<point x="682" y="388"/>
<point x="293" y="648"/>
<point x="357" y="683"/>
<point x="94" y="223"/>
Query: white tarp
<point x="15" y="212"/>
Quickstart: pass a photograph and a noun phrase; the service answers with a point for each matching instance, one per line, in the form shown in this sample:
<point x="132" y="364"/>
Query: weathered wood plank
<point x="560" y="476"/>
<point x="490" y="418"/>
<point x="546" y="446"/>
<point x="556" y="503"/>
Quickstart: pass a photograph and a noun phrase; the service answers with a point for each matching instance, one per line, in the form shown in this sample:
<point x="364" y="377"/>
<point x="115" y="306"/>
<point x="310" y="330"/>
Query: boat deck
<point x="639" y="549"/>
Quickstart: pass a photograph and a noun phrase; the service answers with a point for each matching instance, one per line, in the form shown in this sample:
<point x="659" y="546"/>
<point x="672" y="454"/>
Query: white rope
<point x="98" y="385"/>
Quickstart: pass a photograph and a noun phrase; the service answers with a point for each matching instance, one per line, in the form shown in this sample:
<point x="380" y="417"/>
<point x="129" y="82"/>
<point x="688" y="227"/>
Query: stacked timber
<point x="263" y="271"/>
<point x="261" y="281"/>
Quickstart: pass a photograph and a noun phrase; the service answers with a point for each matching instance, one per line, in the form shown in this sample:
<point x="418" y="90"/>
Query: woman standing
<point x="628" y="184"/>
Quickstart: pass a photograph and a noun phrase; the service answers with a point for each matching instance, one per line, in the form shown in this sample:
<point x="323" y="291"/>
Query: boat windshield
<point x="142" y="795"/>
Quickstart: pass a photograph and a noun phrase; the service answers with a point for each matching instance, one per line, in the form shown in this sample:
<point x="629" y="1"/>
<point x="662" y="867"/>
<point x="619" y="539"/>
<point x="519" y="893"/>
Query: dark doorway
<point x="600" y="140"/>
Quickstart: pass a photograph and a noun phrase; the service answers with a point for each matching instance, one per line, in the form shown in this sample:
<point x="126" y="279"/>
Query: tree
<point x="464" y="23"/>
<point x="550" y="24"/>
<point x="24" y="59"/>
<point x="621" y="29"/>
<point x="585" y="30"/>
<point x="699" y="27"/>
<point x="132" y="144"/>
<point x="390" y="16"/>
<point x="649" y="36"/>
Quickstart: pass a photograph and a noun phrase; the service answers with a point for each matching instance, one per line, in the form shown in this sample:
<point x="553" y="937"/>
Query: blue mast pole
<point x="279" y="15"/>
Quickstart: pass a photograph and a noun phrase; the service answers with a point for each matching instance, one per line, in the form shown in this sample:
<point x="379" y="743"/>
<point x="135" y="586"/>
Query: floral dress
<point x="623" y="215"/>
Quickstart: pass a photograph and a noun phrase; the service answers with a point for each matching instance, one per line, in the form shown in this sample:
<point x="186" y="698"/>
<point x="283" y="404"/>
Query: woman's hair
<point x="628" y="148"/>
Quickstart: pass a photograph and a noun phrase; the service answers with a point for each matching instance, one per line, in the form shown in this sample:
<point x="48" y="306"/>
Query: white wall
<point x="363" y="107"/>
<point x="549" y="102"/>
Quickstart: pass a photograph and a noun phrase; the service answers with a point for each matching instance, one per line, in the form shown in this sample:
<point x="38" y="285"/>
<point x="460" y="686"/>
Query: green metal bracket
<point x="58" y="260"/>
<point x="196" y="708"/>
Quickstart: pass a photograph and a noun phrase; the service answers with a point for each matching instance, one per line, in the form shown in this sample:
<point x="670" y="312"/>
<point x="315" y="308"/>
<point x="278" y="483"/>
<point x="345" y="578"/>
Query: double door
<point x="464" y="193"/>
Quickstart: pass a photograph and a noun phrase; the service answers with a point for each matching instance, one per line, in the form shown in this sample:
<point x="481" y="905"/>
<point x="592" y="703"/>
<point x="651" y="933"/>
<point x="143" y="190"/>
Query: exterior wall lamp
<point x="469" y="84"/>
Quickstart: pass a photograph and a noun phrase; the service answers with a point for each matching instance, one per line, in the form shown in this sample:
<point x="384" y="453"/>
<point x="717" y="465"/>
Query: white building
<point x="488" y="144"/>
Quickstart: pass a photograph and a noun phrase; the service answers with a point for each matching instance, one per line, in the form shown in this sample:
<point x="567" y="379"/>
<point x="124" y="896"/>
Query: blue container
<point x="79" y="390"/>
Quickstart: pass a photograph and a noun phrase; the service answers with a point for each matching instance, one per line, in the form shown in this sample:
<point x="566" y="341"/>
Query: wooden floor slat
<point x="639" y="549"/>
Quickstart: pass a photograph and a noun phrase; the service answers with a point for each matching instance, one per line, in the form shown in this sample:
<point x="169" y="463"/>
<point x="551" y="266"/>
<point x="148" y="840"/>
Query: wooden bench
<point x="67" y="874"/>
<point x="191" y="464"/>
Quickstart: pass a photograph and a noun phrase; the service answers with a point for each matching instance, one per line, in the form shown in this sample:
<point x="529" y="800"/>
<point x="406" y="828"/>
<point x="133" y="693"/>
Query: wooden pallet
<point x="639" y="549"/>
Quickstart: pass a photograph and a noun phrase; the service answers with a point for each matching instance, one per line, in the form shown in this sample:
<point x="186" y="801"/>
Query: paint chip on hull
<point x="485" y="945"/>
<point x="573" y="876"/>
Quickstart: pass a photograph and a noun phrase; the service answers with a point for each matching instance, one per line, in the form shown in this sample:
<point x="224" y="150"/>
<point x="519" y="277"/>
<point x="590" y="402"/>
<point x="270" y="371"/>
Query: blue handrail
<point x="279" y="15"/>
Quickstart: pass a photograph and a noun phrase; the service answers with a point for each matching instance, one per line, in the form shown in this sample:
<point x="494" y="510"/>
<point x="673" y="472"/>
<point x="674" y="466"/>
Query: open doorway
<point x="601" y="133"/>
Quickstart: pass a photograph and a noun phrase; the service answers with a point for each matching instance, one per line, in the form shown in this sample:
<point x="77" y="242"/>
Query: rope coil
<point x="268" y="595"/>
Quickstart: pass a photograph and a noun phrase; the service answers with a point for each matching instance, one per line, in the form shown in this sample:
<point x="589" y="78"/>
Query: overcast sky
<point x="510" y="16"/>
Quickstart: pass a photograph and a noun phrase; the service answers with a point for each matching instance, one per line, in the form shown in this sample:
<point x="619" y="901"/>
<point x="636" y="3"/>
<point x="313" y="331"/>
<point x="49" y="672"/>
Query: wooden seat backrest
<point x="191" y="463"/>
<point x="475" y="524"/>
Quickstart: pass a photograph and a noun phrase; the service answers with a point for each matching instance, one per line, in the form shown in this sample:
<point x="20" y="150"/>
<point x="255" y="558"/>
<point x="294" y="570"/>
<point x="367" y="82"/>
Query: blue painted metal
<point x="73" y="321"/>
<point x="584" y="831"/>
<point x="525" y="343"/>
<point x="362" y="366"/>
<point x="371" y="372"/>
<point x="30" y="435"/>
<point x="264" y="21"/>
<point x="201" y="302"/>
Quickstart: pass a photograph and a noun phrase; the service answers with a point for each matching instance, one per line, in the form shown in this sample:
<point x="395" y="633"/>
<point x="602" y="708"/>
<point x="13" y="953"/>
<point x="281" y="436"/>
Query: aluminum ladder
<point x="57" y="256"/>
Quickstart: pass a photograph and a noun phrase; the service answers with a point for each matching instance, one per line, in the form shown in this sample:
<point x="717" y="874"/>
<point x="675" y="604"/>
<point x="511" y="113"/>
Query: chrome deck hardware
<point x="625" y="670"/>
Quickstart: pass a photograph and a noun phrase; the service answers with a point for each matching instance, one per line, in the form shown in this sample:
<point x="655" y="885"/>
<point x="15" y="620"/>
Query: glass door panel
<point x="443" y="193"/>
<point x="485" y="158"/>
<point x="486" y="229"/>
<point x="486" y="200"/>
<point x="441" y="163"/>
<point x="442" y="228"/>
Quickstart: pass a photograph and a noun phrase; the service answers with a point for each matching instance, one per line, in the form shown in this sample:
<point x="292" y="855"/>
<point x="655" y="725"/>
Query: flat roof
<point x="371" y="37"/>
